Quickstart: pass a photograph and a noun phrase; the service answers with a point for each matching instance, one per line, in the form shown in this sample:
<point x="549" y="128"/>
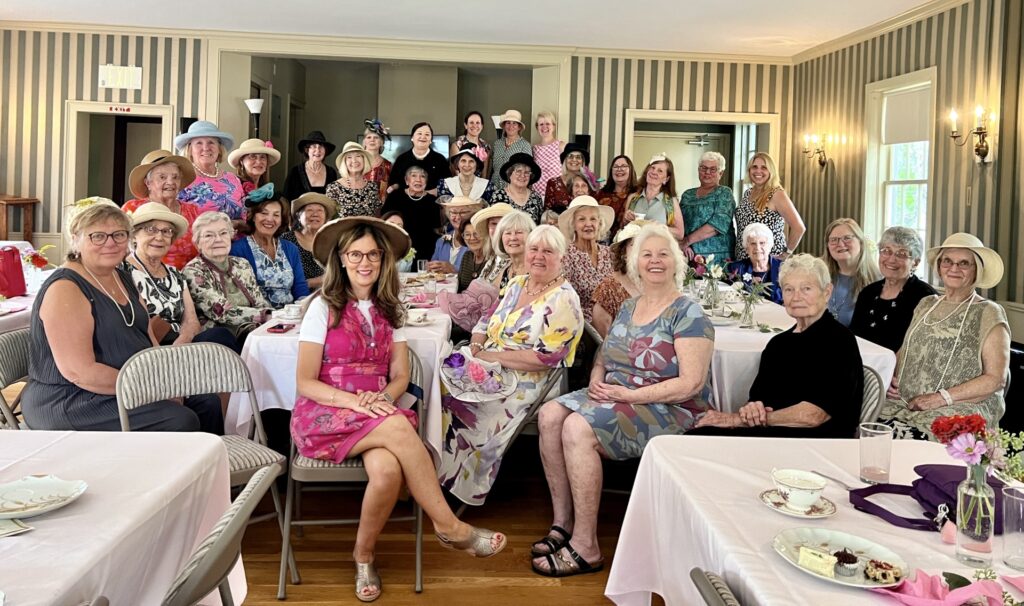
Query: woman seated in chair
<point x="536" y="327"/>
<point x="87" y="320"/>
<point x="651" y="377"/>
<point x="353" y="366"/>
<point x="810" y="383"/>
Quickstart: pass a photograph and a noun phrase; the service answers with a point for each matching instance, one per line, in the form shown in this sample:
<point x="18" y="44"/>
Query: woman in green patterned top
<point x="708" y="212"/>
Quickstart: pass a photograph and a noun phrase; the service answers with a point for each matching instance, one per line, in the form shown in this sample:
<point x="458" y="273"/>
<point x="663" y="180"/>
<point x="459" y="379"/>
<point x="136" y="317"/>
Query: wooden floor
<point x="519" y="505"/>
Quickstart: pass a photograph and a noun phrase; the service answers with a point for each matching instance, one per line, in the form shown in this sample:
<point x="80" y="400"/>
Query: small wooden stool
<point x="27" y="206"/>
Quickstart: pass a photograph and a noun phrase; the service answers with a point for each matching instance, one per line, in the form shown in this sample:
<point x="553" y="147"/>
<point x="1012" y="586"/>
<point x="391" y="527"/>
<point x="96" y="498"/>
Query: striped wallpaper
<point x="603" y="88"/>
<point x="965" y="44"/>
<point x="39" y="70"/>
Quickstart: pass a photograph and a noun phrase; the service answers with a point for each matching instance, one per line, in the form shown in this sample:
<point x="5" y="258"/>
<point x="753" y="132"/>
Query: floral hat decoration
<point x="378" y="127"/>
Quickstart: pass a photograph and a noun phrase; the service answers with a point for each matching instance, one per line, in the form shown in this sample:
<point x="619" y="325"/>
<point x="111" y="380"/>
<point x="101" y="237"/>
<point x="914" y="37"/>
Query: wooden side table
<point x="27" y="206"/>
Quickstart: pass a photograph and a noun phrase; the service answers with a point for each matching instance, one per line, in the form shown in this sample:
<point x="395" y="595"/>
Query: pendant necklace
<point x="116" y="304"/>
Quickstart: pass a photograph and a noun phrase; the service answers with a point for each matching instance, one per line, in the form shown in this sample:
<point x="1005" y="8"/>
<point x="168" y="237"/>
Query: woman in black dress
<point x="422" y="153"/>
<point x="314" y="174"/>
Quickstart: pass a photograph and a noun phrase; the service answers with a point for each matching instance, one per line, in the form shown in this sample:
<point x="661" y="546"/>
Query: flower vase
<point x="975" y="519"/>
<point x="33" y="278"/>
<point x="709" y="299"/>
<point x="747" y="315"/>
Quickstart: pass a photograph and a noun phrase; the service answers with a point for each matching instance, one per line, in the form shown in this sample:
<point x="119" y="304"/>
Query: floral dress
<point x="534" y="204"/>
<point x="610" y="295"/>
<point x="547" y="158"/>
<point x="557" y="196"/>
<point x="746" y="214"/>
<point x="357" y="357"/>
<point x="311" y="268"/>
<point x="164" y="297"/>
<point x="638" y="356"/>
<point x="476" y="434"/>
<point x="356" y="202"/>
<point x="578" y="268"/>
<point x="226" y="295"/>
<point x="223" y="193"/>
<point x="379" y="174"/>
<point x="275" y="276"/>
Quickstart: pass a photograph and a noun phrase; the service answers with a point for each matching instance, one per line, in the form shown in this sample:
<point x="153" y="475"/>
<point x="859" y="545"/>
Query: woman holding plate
<point x="535" y="328"/>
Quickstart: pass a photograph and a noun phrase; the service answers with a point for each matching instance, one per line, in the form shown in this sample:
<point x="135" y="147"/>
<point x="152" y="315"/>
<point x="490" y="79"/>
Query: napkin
<point x="927" y="590"/>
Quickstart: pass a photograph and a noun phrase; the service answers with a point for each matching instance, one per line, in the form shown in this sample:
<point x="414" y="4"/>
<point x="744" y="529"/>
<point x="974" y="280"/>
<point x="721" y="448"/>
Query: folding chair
<point x="349" y="471"/>
<point x="212" y="561"/>
<point x="874" y="396"/>
<point x="162" y="373"/>
<point x="713" y="588"/>
<point x="13" y="369"/>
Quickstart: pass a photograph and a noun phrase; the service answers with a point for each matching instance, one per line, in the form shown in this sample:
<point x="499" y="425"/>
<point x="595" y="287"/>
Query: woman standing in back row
<point x="766" y="202"/>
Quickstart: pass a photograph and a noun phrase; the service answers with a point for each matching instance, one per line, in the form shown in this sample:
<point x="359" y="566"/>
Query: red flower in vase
<point x="946" y="429"/>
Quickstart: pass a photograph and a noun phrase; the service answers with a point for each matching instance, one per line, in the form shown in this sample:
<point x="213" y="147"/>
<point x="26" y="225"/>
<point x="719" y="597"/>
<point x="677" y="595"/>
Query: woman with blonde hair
<point x="766" y="202"/>
<point x="206" y="146"/>
<point x="547" y="153"/>
<point x="851" y="266"/>
<point x="353" y="192"/>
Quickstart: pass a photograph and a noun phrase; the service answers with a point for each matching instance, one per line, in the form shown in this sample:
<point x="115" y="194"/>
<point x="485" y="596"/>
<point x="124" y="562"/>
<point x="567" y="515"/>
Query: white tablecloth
<point x="271" y="360"/>
<point x="151" y="498"/>
<point x="738" y="354"/>
<point x="16" y="312"/>
<point x="695" y="503"/>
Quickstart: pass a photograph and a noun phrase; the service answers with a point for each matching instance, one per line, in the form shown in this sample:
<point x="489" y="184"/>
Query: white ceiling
<point x="743" y="27"/>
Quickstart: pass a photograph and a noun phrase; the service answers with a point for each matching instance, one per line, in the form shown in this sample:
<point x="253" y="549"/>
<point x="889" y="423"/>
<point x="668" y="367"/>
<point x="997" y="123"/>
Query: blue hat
<point x="203" y="128"/>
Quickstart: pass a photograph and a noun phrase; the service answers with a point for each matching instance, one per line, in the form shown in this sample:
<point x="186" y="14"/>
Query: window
<point x="905" y="186"/>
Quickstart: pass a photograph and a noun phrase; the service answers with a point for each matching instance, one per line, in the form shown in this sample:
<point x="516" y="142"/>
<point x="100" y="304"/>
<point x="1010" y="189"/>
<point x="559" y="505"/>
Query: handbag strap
<point x="859" y="499"/>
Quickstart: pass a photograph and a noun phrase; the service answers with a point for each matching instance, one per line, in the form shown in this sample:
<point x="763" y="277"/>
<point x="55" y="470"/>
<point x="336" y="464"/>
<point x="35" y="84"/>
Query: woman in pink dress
<point x="353" y="366"/>
<point x="547" y="153"/>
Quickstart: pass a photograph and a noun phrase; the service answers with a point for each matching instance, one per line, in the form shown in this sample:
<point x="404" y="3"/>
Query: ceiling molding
<point x="917" y="14"/>
<point x="670" y="56"/>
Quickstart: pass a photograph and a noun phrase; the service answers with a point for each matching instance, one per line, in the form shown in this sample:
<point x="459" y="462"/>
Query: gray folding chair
<point x="211" y="562"/>
<point x="874" y="396"/>
<point x="162" y="373"/>
<point x="305" y="470"/>
<point x="591" y="332"/>
<point x="713" y="589"/>
<point x="13" y="369"/>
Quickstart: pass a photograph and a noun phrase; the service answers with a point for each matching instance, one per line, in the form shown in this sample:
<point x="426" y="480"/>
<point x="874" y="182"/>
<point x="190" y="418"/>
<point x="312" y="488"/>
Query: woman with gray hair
<point x="708" y="212"/>
<point x="87" y="320"/>
<point x="160" y="177"/>
<point x="884" y="308"/>
<point x="760" y="265"/>
<point x="509" y="242"/>
<point x="418" y="208"/>
<point x="823" y="399"/>
<point x="535" y="328"/>
<point x="650" y="378"/>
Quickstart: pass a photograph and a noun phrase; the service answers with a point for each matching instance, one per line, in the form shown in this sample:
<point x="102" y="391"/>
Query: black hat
<point x="522" y="158"/>
<point x="316" y="137"/>
<point x="575" y="147"/>
<point x="467" y="150"/>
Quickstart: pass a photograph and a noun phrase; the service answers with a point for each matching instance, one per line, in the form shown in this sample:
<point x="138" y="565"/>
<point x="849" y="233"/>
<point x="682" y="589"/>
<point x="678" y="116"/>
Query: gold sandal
<point x="479" y="544"/>
<point x="366" y="576"/>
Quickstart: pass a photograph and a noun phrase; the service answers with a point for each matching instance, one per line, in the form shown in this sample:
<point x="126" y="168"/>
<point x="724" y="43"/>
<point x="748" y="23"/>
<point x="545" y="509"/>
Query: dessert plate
<point x="35" y="495"/>
<point x="788" y="543"/>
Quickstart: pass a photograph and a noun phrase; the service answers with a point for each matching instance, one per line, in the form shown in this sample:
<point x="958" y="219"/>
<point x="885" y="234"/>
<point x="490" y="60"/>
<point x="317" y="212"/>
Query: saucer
<point x="427" y="321"/>
<point x="824" y="508"/>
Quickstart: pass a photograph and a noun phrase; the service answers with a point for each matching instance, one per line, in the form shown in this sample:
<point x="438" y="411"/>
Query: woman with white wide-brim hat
<point x="206" y="146"/>
<point x="512" y="142"/>
<point x="955" y="356"/>
<point x="587" y="262"/>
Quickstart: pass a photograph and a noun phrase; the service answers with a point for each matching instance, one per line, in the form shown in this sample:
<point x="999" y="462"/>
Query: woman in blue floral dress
<point x="651" y="378"/>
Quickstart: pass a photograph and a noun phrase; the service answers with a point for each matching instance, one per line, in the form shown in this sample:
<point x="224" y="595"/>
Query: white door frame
<point x="682" y="117"/>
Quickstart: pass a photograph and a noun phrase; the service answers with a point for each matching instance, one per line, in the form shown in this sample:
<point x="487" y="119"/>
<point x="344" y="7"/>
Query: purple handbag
<point x="935" y="491"/>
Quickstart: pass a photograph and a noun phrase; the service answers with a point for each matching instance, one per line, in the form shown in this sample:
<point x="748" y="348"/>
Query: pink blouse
<point x="546" y="156"/>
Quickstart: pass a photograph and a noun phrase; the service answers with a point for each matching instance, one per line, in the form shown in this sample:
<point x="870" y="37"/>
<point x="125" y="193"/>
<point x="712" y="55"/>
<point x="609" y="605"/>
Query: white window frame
<point x="877" y="159"/>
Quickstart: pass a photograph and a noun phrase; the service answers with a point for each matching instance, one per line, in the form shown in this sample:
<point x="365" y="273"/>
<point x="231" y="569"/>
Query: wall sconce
<point x="819" y="148"/>
<point x="255" y="107"/>
<point x="980" y="132"/>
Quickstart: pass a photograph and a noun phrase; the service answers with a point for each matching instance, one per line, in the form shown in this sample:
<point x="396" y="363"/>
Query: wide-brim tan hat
<point x="254" y="146"/>
<point x="354" y="148"/>
<point x="137" y="178"/>
<point x="494" y="211"/>
<point x="458" y="202"/>
<point x="154" y="211"/>
<point x="327" y="237"/>
<point x="627" y="233"/>
<point x="990" y="264"/>
<point x="511" y="115"/>
<point x="565" y="220"/>
<point x="314" y="198"/>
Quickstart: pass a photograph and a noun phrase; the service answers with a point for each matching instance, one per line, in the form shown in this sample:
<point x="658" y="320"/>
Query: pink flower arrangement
<point x="968" y="448"/>
<point x="477" y="373"/>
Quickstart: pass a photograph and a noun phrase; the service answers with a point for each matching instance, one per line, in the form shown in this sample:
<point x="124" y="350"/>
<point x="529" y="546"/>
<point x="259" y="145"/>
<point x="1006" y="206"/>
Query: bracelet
<point x="477" y="346"/>
<point x="946" y="397"/>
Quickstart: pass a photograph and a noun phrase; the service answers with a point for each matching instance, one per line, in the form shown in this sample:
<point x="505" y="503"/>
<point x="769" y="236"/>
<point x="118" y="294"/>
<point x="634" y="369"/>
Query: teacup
<point x="292" y="310"/>
<point x="639" y="216"/>
<point x="800" y="489"/>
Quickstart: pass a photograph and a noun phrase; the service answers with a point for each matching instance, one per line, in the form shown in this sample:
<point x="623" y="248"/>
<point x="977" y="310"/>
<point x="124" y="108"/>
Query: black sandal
<point x="552" y="543"/>
<point x="560" y="566"/>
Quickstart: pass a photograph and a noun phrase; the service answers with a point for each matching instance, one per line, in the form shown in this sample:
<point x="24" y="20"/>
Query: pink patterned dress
<point x="546" y="156"/>
<point x="353" y="361"/>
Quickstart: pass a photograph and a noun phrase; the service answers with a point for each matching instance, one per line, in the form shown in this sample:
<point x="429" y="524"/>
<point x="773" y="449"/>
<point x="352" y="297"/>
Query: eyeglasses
<point x="964" y="265"/>
<point x="99" y="238"/>
<point x="708" y="169"/>
<point x="223" y="234"/>
<point x="574" y="156"/>
<point x="844" y="239"/>
<point x="620" y="167"/>
<point x="356" y="256"/>
<point x="902" y="255"/>
<point x="167" y="232"/>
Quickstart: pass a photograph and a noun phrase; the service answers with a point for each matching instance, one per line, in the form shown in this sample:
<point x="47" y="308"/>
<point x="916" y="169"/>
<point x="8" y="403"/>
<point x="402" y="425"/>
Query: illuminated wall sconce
<point x="981" y="148"/>
<point x="814" y="146"/>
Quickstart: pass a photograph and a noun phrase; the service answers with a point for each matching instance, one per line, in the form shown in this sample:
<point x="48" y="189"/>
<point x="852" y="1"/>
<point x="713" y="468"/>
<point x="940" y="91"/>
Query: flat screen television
<point x="400" y="143"/>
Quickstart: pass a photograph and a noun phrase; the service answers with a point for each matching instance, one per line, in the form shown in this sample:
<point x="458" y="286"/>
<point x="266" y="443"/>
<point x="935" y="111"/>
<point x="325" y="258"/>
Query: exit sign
<point x="121" y="76"/>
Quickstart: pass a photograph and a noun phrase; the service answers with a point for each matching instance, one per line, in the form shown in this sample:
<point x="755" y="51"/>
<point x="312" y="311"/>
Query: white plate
<point x="280" y="315"/>
<point x="723" y="320"/>
<point x="35" y="495"/>
<point x="426" y="322"/>
<point x="465" y="390"/>
<point x="824" y="508"/>
<point x="788" y="542"/>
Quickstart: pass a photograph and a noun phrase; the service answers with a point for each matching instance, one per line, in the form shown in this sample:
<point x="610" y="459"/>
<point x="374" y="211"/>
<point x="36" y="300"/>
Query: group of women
<point x="203" y="254"/>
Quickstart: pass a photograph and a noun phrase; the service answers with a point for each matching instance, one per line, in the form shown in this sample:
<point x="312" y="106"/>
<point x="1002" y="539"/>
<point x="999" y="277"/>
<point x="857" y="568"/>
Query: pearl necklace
<point x="215" y="175"/>
<point x="534" y="293"/>
<point x="959" y="332"/>
<point x="116" y="304"/>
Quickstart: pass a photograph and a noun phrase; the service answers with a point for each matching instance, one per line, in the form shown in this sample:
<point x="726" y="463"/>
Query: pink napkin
<point x="1017" y="582"/>
<point x="927" y="590"/>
